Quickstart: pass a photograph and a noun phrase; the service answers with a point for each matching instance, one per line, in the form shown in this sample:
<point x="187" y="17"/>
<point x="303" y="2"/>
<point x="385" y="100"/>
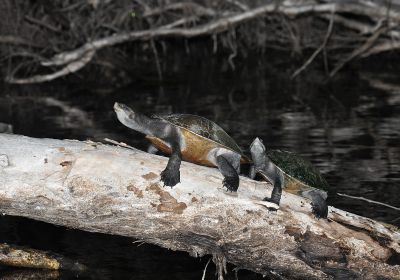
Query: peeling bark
<point x="108" y="189"/>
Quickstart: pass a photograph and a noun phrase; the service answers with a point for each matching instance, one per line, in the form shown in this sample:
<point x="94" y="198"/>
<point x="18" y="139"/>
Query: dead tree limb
<point x="359" y="51"/>
<point x="314" y="55"/>
<point x="369" y="201"/>
<point x="14" y="40"/>
<point x="190" y="7"/>
<point x="43" y="24"/>
<point x="70" y="68"/>
<point x="108" y="189"/>
<point x="210" y="21"/>
<point x="78" y="58"/>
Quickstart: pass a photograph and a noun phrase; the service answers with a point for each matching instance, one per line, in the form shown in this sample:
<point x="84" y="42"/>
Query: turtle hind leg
<point x="229" y="166"/>
<point x="319" y="206"/>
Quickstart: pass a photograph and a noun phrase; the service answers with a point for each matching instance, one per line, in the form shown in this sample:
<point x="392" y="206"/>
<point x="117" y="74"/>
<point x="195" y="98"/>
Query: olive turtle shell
<point x="200" y="135"/>
<point x="298" y="168"/>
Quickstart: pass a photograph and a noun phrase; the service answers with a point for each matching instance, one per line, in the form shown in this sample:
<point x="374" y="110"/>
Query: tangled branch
<point x="192" y="19"/>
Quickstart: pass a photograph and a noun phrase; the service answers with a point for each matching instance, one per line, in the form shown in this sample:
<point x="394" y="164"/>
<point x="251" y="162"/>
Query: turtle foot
<point x="170" y="177"/>
<point x="272" y="200"/>
<point x="320" y="210"/>
<point x="231" y="183"/>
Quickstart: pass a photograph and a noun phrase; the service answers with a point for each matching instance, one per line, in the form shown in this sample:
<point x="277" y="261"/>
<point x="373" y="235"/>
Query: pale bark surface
<point x="108" y="189"/>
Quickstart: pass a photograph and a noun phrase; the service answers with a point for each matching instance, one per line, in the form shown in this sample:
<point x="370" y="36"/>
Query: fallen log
<point x="114" y="190"/>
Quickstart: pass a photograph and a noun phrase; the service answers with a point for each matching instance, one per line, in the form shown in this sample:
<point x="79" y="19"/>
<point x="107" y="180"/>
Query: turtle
<point x="190" y="138"/>
<point x="291" y="172"/>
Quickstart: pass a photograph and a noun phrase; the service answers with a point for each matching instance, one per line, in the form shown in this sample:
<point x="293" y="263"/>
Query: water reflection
<point x="349" y="128"/>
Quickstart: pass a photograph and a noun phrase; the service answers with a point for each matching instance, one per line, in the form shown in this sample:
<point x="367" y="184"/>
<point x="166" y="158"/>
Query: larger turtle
<point x="188" y="137"/>
<point x="294" y="174"/>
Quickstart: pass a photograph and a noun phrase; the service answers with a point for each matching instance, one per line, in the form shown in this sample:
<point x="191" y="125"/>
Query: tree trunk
<point x="109" y="189"/>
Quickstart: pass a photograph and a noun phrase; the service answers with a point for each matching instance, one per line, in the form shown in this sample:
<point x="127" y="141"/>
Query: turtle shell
<point x="200" y="135"/>
<point x="298" y="168"/>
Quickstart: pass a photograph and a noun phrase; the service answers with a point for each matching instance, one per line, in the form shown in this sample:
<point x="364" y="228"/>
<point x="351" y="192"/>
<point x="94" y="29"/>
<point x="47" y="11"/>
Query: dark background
<point x="347" y="125"/>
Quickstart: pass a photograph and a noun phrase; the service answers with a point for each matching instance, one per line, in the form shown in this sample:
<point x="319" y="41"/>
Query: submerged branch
<point x="18" y="256"/>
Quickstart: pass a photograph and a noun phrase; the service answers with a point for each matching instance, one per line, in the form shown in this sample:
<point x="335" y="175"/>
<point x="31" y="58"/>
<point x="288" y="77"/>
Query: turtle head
<point x="124" y="113"/>
<point x="257" y="150"/>
<point x="122" y="109"/>
<point x="127" y="116"/>
<point x="257" y="146"/>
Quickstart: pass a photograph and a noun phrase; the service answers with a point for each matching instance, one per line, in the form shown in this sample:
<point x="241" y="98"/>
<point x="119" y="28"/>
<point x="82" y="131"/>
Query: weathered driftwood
<point x="102" y="188"/>
<point x="30" y="258"/>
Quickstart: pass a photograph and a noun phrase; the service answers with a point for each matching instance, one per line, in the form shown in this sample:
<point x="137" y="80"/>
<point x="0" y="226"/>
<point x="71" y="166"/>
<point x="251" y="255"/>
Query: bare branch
<point x="239" y="4"/>
<point x="369" y="201"/>
<point x="70" y="68"/>
<point x="189" y="7"/>
<point x="205" y="269"/>
<point x="314" y="55"/>
<point x="359" y="51"/>
<point x="362" y="27"/>
<point x="43" y="24"/>
<point x="388" y="45"/>
<point x="13" y="40"/>
<point x="221" y="22"/>
<point x="217" y="26"/>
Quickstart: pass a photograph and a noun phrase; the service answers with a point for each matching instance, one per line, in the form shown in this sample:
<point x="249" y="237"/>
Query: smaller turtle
<point x="188" y="137"/>
<point x="289" y="171"/>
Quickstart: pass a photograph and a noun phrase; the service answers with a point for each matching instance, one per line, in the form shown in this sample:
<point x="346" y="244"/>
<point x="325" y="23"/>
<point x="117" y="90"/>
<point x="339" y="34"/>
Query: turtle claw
<point x="271" y="200"/>
<point x="231" y="183"/>
<point x="170" y="177"/>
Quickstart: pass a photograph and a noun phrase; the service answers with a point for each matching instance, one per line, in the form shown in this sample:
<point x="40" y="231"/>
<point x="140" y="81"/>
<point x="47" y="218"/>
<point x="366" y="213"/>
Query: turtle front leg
<point x="171" y="174"/>
<point x="226" y="165"/>
<point x="277" y="190"/>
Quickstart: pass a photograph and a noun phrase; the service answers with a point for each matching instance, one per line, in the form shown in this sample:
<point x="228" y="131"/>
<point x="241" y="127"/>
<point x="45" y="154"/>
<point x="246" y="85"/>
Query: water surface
<point x="348" y="127"/>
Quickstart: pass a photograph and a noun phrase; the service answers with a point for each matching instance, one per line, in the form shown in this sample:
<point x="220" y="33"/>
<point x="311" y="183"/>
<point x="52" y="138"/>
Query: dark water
<point x="348" y="127"/>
